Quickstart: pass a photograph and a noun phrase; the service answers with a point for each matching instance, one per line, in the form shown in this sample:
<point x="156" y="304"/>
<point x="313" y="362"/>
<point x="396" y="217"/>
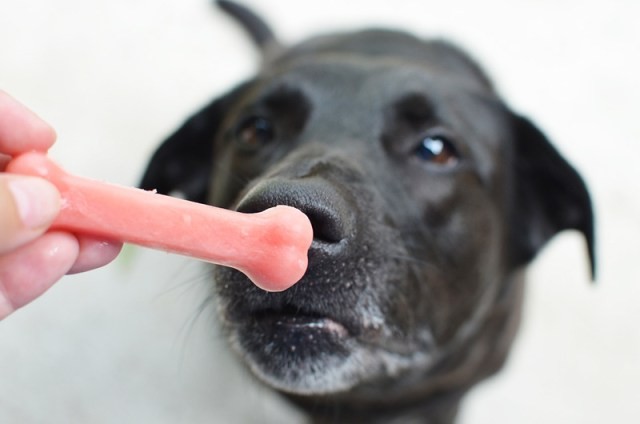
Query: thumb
<point x="28" y="205"/>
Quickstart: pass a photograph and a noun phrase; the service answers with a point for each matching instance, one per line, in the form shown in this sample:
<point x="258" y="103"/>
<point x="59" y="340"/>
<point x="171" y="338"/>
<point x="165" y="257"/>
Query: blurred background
<point x="136" y="342"/>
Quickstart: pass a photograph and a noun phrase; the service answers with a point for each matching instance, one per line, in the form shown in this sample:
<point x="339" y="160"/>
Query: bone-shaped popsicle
<point x="269" y="247"/>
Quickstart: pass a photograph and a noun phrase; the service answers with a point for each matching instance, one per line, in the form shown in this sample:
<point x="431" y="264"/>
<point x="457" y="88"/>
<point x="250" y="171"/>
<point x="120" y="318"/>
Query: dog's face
<point x="426" y="195"/>
<point x="401" y="171"/>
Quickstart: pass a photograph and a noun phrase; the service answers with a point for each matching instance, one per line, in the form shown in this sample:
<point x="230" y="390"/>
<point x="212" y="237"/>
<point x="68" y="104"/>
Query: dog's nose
<point x="328" y="211"/>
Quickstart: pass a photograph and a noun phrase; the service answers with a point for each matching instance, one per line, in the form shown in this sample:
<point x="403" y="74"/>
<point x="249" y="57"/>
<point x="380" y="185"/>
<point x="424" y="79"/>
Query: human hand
<point x="32" y="258"/>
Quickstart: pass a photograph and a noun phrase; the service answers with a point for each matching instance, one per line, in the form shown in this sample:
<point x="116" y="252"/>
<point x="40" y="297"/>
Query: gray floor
<point x="130" y="342"/>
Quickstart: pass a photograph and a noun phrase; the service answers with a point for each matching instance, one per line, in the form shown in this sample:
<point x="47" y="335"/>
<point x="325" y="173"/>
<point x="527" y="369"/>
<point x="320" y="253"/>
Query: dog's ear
<point x="183" y="161"/>
<point x="549" y="196"/>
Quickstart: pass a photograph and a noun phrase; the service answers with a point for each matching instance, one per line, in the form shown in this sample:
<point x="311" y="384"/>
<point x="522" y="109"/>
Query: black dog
<point x="427" y="195"/>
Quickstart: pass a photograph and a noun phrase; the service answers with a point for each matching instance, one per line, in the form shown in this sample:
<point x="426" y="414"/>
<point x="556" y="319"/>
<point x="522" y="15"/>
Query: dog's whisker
<point x="184" y="335"/>
<point x="181" y="279"/>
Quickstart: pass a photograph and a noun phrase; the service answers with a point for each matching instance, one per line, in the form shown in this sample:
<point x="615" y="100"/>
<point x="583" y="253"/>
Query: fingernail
<point x="37" y="201"/>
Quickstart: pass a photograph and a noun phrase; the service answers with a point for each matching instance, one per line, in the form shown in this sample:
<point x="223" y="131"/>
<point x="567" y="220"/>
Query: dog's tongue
<point x="269" y="247"/>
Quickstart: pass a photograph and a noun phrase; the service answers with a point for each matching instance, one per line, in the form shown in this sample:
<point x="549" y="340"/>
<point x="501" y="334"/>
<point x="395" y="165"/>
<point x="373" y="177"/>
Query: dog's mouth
<point x="304" y="333"/>
<point x="324" y="337"/>
<point x="288" y="347"/>
<point x="291" y="318"/>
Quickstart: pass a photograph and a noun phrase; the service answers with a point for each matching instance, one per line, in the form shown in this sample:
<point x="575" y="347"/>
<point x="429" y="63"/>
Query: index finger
<point x="21" y="130"/>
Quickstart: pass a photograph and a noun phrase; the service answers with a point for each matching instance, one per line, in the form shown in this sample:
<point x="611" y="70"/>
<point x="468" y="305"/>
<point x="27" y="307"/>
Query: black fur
<point x="427" y="195"/>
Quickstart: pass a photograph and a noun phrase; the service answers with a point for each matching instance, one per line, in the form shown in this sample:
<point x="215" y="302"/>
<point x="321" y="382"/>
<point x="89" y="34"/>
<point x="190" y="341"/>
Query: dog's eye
<point x="438" y="150"/>
<point x="255" y="132"/>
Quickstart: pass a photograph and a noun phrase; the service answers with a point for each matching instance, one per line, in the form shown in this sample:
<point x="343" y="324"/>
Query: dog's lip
<point x="327" y="325"/>
<point x="303" y="320"/>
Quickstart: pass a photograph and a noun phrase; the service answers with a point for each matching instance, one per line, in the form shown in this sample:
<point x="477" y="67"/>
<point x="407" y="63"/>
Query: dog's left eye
<point x="438" y="150"/>
<point x="255" y="132"/>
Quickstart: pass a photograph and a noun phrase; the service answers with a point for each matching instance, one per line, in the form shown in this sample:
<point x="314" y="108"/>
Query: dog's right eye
<point x="254" y="133"/>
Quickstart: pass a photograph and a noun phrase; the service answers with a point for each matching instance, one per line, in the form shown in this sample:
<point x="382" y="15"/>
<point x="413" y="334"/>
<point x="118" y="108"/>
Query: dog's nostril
<point x="328" y="226"/>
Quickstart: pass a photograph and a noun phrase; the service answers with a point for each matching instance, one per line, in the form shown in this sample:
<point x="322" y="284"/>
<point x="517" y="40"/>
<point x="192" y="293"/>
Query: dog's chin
<point x="313" y="355"/>
<point x="299" y="354"/>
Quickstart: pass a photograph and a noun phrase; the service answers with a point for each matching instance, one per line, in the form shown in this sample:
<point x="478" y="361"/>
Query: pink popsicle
<point x="269" y="247"/>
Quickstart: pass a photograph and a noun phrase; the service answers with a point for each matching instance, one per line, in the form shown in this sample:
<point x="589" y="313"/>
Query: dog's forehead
<point x="363" y="87"/>
<point x="356" y="98"/>
<point x="332" y="78"/>
<point x="373" y="67"/>
<point x="390" y="47"/>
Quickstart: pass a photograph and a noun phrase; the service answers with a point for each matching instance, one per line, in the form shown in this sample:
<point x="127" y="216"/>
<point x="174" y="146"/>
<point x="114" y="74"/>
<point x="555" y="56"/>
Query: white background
<point x="133" y="343"/>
